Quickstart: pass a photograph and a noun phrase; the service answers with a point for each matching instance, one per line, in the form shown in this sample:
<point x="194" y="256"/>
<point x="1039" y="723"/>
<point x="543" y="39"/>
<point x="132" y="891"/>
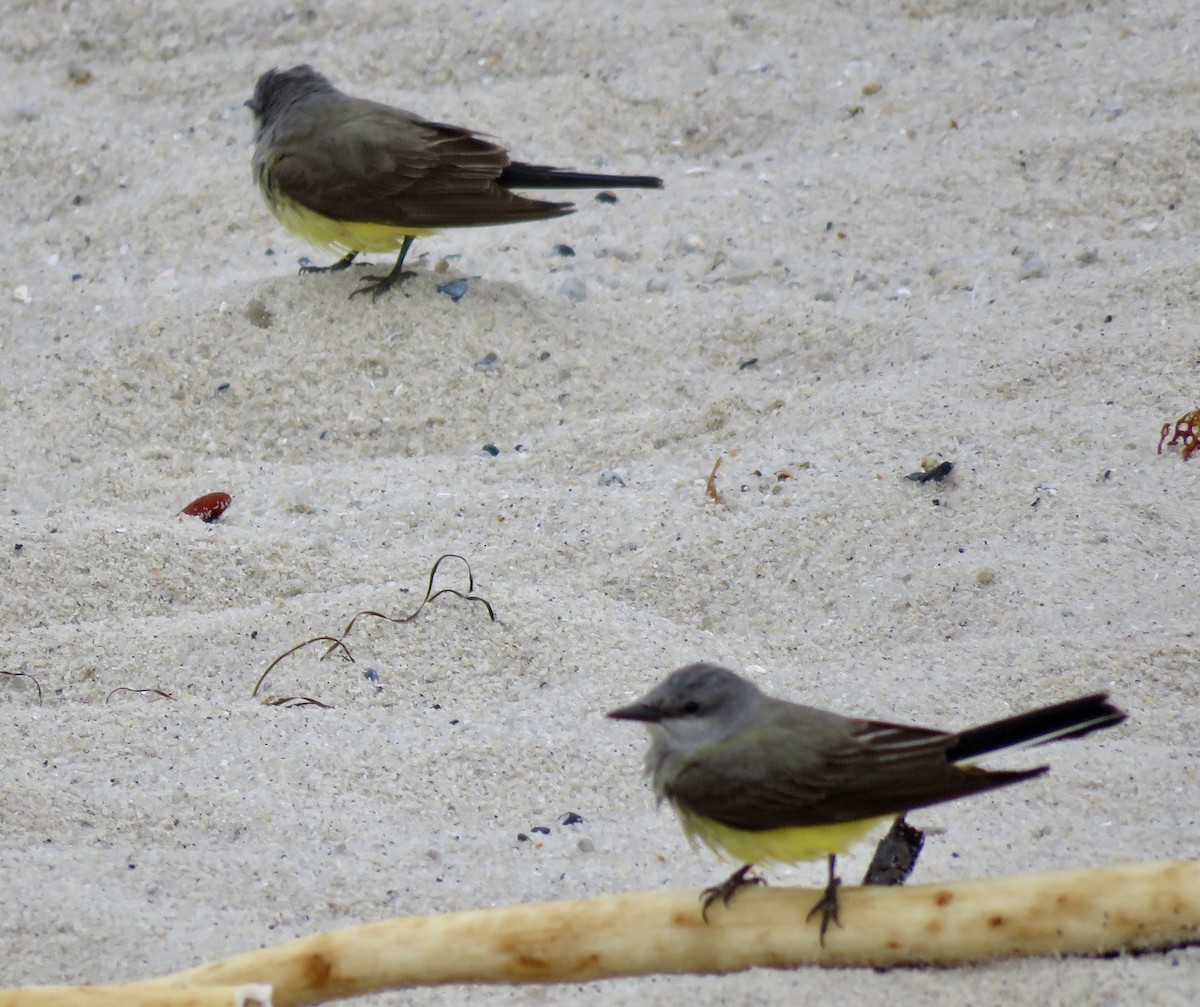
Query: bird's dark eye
<point x="691" y="706"/>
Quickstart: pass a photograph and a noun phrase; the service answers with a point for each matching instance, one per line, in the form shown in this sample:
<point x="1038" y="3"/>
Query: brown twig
<point x="25" y="674"/>
<point x="300" y="646"/>
<point x="295" y="702"/>
<point x="140" y="692"/>
<point x="710" y="487"/>
<point x="336" y="642"/>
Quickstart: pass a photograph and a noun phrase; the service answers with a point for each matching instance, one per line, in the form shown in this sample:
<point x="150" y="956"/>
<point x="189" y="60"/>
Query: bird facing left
<point x="351" y="176"/>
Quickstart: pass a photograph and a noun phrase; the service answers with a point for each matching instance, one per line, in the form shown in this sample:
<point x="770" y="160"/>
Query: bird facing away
<point x="351" y="175"/>
<point x="766" y="780"/>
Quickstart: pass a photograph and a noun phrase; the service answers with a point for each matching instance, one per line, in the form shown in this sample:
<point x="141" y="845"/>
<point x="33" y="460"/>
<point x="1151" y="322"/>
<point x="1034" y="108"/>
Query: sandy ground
<point x="886" y="235"/>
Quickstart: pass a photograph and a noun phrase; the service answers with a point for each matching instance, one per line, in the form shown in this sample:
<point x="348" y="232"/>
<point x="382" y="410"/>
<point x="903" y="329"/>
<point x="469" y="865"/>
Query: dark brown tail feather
<point x="1071" y="719"/>
<point x="541" y="176"/>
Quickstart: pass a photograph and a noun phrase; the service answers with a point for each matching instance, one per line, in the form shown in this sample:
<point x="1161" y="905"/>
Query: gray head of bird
<point x="696" y="705"/>
<point x="277" y="89"/>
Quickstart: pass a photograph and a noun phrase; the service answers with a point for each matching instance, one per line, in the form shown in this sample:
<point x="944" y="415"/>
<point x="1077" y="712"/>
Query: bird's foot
<point x="377" y="285"/>
<point x="827" y="905"/>
<point x="726" y="889"/>
<point x="337" y="267"/>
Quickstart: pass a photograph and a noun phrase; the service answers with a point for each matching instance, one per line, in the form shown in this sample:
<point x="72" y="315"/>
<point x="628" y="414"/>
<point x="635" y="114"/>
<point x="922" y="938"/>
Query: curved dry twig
<point x="140" y="692"/>
<point x="338" y="642"/>
<point x="300" y="646"/>
<point x="430" y="595"/>
<point x="25" y="674"/>
<point x="295" y="702"/>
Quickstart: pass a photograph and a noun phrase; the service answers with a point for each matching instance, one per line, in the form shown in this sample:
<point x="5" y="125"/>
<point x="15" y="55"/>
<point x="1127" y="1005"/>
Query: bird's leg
<point x="725" y="890"/>
<point x="827" y="904"/>
<point x="379" y="284"/>
<point x="337" y="267"/>
<point x="896" y="855"/>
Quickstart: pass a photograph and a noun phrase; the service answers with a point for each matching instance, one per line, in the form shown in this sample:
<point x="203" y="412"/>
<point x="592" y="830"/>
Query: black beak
<point x="644" y="712"/>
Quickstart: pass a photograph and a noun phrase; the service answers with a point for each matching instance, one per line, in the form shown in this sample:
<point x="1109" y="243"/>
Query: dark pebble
<point x="935" y="474"/>
<point x="456" y="290"/>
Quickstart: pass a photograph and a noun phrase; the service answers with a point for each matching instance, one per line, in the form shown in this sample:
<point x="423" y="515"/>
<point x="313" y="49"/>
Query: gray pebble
<point x="657" y="284"/>
<point x="1035" y="267"/>
<point x="620" y="254"/>
<point x="573" y="289"/>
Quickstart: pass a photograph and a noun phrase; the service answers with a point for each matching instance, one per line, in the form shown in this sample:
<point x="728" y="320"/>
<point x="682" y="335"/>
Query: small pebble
<point x="456" y="290"/>
<point x="1035" y="267"/>
<point x="935" y="474"/>
<point x="620" y="254"/>
<point x="488" y="362"/>
<point x="564" y="250"/>
<point x="257" y="314"/>
<point x="606" y="197"/>
<point x="573" y="289"/>
<point x="657" y="284"/>
<point x="491" y="449"/>
<point x="611" y="477"/>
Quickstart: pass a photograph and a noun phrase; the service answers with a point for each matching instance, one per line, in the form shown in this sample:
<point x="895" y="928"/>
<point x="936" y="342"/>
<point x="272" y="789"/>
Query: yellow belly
<point x="783" y="846"/>
<point x="340" y="236"/>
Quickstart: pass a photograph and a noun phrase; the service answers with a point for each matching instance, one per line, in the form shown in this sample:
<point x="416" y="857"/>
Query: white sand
<point x="869" y="262"/>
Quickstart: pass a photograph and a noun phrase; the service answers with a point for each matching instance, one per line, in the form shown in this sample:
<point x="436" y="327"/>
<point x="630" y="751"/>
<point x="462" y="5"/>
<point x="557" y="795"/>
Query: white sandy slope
<point x="865" y="249"/>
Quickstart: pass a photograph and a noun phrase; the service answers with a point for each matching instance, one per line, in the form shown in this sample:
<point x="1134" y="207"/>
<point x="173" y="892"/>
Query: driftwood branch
<point x="1097" y="911"/>
<point x="1130" y="907"/>
<point x="250" y="995"/>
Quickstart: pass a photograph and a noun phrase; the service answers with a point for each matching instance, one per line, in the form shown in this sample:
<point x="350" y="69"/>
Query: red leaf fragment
<point x="208" y="507"/>
<point x="1187" y="433"/>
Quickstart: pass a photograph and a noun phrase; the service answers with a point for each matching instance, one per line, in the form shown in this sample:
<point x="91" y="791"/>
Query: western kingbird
<point x="766" y="780"/>
<point x="352" y="176"/>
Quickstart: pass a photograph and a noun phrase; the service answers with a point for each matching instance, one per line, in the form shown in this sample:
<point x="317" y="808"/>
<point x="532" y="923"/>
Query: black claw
<point x="827" y="904"/>
<point x="377" y="285"/>
<point x="726" y="889"/>
<point x="337" y="267"/>
<point x="381" y="284"/>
